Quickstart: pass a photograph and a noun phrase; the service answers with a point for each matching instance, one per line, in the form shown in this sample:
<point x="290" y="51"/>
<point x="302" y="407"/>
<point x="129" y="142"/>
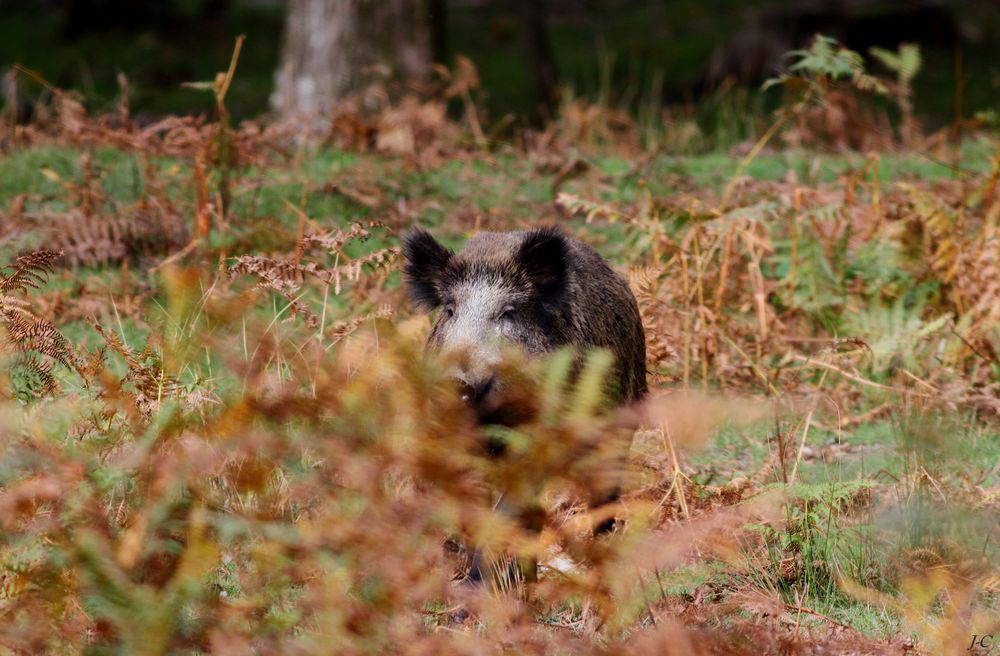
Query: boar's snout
<point x="490" y="402"/>
<point x="475" y="392"/>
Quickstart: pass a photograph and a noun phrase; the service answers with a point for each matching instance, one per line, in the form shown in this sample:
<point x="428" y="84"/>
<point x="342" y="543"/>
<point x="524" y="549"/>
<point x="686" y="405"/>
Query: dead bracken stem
<point x="876" y="207"/>
<point x="678" y="476"/>
<point x="745" y="162"/>
<point x="686" y="287"/>
<point x="991" y="187"/>
<point x="703" y="321"/>
<point x="720" y="290"/>
<point x="794" y="255"/>
<point x="221" y="88"/>
<point x="805" y="430"/>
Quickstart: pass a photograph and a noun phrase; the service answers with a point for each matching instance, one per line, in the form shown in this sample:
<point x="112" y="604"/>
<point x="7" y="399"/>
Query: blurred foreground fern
<point x="305" y="510"/>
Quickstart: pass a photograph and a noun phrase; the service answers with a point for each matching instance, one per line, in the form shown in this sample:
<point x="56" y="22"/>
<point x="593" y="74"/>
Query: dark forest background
<point x="624" y="52"/>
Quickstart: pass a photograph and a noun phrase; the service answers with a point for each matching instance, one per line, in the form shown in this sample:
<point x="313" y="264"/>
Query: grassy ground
<point x="824" y="307"/>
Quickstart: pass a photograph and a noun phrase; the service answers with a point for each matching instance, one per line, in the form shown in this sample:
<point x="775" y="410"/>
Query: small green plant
<point x="804" y="555"/>
<point x="905" y="63"/>
<point x="814" y="71"/>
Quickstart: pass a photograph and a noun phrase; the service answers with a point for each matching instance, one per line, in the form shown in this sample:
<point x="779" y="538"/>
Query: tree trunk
<point x="331" y="46"/>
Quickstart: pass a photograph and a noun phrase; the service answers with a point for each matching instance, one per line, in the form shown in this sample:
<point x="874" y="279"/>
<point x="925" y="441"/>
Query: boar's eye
<point x="506" y="313"/>
<point x="449" y="310"/>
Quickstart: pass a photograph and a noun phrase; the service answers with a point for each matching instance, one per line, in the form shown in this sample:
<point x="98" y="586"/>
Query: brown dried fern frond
<point x="15" y="305"/>
<point x="961" y="250"/>
<point x="134" y="361"/>
<point x="334" y="242"/>
<point x="145" y="375"/>
<point x="101" y="239"/>
<point x="280" y="276"/>
<point x="37" y="376"/>
<point x="30" y="271"/>
<point x="27" y="335"/>
<point x="184" y="137"/>
<point x="376" y="260"/>
<point x="91" y="363"/>
<point x="96" y="229"/>
<point x="942" y="230"/>
<point x="657" y="317"/>
<point x="285" y="277"/>
<point x="342" y="329"/>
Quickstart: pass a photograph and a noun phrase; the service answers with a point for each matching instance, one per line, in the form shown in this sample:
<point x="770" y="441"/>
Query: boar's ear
<point x="426" y="261"/>
<point x="543" y="257"/>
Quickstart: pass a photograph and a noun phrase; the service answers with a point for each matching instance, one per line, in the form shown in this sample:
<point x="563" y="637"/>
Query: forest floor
<point x="220" y="435"/>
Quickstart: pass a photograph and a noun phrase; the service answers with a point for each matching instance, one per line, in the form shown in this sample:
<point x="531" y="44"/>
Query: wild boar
<point x="538" y="290"/>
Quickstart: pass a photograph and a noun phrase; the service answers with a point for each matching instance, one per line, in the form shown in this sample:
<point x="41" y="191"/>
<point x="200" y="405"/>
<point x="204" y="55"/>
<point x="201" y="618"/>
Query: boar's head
<point x="502" y="290"/>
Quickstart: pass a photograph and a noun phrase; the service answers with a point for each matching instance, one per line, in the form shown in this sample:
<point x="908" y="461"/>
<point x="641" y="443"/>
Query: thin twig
<point x="858" y="379"/>
<point x="809" y="611"/>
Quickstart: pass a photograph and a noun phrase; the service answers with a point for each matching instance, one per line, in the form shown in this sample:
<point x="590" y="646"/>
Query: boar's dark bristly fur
<point x="538" y="290"/>
<point x="426" y="261"/>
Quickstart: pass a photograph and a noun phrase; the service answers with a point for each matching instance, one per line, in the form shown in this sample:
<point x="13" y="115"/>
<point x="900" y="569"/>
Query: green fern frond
<point x="905" y="62"/>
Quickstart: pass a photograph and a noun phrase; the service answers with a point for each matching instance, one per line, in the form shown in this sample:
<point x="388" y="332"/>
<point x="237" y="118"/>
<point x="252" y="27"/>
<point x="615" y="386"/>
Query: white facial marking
<point x="474" y="327"/>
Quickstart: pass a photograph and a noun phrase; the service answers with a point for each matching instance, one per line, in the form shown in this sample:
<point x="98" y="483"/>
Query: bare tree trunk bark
<point x="331" y="46"/>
